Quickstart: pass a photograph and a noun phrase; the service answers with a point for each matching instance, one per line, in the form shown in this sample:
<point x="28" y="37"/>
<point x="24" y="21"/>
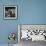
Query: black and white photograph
<point x="10" y="12"/>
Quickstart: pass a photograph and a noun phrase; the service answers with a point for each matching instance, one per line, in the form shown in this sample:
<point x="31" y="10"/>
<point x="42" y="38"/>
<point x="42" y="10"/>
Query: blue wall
<point x="33" y="12"/>
<point x="29" y="12"/>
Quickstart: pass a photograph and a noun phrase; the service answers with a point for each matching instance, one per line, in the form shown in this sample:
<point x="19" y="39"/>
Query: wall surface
<point x="33" y="12"/>
<point x="7" y="26"/>
<point x="29" y="12"/>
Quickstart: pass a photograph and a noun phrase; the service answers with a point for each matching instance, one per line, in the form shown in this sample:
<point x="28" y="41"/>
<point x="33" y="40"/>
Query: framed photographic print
<point x="10" y="12"/>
